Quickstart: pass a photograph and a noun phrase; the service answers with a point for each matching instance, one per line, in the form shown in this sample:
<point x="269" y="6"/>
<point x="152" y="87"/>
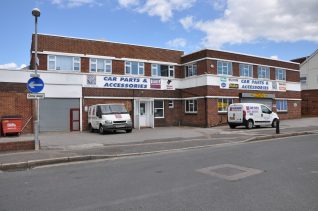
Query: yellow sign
<point x="259" y="95"/>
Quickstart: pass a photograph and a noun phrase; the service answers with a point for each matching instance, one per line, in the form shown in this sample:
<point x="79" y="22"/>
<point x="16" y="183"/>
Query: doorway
<point x="143" y="113"/>
<point x="75" y="119"/>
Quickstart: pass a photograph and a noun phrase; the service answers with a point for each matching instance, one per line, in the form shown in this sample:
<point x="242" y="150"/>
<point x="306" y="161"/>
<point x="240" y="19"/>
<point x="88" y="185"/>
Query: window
<point x="263" y="72"/>
<point x="246" y="70"/>
<point x="171" y="104"/>
<point x="100" y="65"/>
<point x="64" y="63"/>
<point x="224" y="68"/>
<point x="162" y="70"/>
<point x="281" y="74"/>
<point x="190" y="70"/>
<point x="281" y="105"/>
<point x="159" y="108"/>
<point x="303" y="80"/>
<point x="191" y="106"/>
<point x="265" y="110"/>
<point x="134" y="68"/>
<point x="223" y="104"/>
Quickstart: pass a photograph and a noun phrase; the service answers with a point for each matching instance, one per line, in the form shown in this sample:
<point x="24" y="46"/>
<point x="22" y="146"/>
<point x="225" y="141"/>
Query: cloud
<point x="75" y="3"/>
<point x="12" y="66"/>
<point x="247" y="21"/>
<point x="162" y="8"/>
<point x="177" y="43"/>
<point x="127" y="3"/>
<point x="187" y="22"/>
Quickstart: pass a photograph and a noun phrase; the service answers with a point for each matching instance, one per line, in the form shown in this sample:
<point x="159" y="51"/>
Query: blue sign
<point x="35" y="85"/>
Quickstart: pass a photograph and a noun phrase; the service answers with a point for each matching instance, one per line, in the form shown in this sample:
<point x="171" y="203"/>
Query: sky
<point x="278" y="29"/>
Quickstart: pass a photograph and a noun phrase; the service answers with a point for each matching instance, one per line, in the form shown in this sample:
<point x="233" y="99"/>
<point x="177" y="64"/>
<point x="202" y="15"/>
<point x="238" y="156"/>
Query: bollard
<point x="277" y="126"/>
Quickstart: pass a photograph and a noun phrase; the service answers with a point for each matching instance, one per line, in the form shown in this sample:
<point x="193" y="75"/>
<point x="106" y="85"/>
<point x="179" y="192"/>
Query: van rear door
<point x="235" y="113"/>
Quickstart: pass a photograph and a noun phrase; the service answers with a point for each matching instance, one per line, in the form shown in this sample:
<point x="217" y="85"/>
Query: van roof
<point x="246" y="104"/>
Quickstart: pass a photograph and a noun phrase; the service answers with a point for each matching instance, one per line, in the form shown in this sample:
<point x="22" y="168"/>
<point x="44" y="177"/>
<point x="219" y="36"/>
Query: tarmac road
<point x="268" y="175"/>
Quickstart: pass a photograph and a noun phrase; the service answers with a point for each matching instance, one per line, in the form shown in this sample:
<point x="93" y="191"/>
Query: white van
<point x="109" y="117"/>
<point x="250" y="115"/>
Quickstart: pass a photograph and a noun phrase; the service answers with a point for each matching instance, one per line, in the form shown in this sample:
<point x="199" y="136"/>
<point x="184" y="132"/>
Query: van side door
<point x="265" y="115"/>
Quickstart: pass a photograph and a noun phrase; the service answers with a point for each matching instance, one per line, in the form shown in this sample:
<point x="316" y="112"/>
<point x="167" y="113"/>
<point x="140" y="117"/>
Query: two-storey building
<point x="160" y="87"/>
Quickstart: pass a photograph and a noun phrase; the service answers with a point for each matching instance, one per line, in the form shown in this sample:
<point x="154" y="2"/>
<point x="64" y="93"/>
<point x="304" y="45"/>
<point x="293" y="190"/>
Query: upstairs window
<point x="303" y="80"/>
<point x="134" y="68"/>
<point x="246" y="70"/>
<point x="263" y="72"/>
<point x="64" y="63"/>
<point x="224" y="68"/>
<point x="190" y="70"/>
<point x="162" y="70"/>
<point x="280" y="74"/>
<point x="101" y="65"/>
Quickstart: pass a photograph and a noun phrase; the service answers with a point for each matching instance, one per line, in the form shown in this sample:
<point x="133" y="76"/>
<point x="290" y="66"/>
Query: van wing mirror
<point x="98" y="112"/>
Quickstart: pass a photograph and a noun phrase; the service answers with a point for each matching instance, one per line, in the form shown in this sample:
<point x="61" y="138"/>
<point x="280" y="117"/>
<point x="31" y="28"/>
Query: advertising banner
<point x="251" y="84"/>
<point x="127" y="82"/>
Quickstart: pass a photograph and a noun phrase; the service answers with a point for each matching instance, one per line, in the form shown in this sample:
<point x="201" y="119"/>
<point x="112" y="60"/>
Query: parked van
<point x="109" y="117"/>
<point x="250" y="115"/>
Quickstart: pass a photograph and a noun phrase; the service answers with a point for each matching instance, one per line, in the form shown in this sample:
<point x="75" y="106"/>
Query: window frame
<point x="107" y="62"/>
<point x="227" y="101"/>
<point x="246" y="67"/>
<point x="224" y="66"/>
<point x="155" y="67"/>
<point x="53" y="58"/>
<point x="261" y="69"/>
<point x="170" y="103"/>
<point x="194" y="103"/>
<point x="278" y="74"/>
<point x="282" y="103"/>
<point x="163" y="109"/>
<point x="140" y="66"/>
<point x="193" y="71"/>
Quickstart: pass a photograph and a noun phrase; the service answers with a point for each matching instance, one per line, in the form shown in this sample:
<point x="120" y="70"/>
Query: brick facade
<point x="309" y="102"/>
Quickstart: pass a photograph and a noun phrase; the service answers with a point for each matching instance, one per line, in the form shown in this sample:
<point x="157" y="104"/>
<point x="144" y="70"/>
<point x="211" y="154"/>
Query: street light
<point x="36" y="13"/>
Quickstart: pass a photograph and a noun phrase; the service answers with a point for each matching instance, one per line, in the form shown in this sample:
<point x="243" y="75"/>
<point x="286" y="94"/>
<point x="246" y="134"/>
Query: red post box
<point x="11" y="124"/>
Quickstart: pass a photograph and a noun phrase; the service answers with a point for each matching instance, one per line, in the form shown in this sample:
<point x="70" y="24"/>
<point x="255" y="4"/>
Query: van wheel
<point x="274" y="123"/>
<point x="90" y="128"/>
<point x="249" y="124"/>
<point x="101" y="129"/>
<point x="128" y="131"/>
<point x="232" y="126"/>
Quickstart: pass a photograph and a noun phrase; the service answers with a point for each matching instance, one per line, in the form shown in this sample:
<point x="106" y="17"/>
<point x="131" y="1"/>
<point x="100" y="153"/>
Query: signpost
<point x="36" y="85"/>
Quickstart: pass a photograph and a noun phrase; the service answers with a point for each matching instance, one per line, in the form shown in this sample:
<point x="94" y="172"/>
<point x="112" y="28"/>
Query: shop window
<point x="171" y="104"/>
<point x="280" y="74"/>
<point x="134" y="68"/>
<point x="101" y="65"/>
<point x="281" y="105"/>
<point x="246" y="70"/>
<point x="191" y="106"/>
<point x="223" y="104"/>
<point x="162" y="70"/>
<point x="190" y="70"/>
<point x="263" y="72"/>
<point x="159" y="108"/>
<point x="64" y="63"/>
<point x="224" y="68"/>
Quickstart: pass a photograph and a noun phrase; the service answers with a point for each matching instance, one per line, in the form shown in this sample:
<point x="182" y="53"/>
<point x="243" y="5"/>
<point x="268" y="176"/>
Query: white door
<point x="144" y="112"/>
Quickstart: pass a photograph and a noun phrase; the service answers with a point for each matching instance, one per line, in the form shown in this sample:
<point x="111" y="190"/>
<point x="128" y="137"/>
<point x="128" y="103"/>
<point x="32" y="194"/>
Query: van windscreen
<point x="113" y="109"/>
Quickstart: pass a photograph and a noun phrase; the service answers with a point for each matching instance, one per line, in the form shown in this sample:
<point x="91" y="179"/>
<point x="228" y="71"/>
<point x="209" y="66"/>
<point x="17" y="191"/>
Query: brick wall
<point x="309" y="102"/>
<point x="13" y="101"/>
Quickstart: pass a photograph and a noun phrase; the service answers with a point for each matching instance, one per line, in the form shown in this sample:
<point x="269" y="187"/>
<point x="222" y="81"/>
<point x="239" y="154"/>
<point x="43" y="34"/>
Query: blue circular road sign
<point x="35" y="85"/>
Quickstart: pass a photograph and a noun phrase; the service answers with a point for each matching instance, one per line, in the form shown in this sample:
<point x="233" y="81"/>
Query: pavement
<point x="57" y="147"/>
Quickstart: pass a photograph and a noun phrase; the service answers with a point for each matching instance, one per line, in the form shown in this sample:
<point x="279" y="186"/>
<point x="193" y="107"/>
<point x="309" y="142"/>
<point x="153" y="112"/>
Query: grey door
<point x="55" y="114"/>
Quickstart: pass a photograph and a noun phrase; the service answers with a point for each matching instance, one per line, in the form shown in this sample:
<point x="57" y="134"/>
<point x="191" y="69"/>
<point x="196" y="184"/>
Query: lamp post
<point x="36" y="13"/>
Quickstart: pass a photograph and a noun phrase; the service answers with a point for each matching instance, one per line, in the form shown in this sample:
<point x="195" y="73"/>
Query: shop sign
<point x="126" y="82"/>
<point x="251" y="84"/>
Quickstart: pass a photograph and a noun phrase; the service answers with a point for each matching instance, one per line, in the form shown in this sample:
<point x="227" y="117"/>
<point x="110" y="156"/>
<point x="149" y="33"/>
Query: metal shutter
<point x="266" y="101"/>
<point x="55" y="114"/>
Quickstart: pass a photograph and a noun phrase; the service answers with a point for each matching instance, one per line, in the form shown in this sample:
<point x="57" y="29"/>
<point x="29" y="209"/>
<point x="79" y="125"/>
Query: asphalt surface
<point x="285" y="178"/>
